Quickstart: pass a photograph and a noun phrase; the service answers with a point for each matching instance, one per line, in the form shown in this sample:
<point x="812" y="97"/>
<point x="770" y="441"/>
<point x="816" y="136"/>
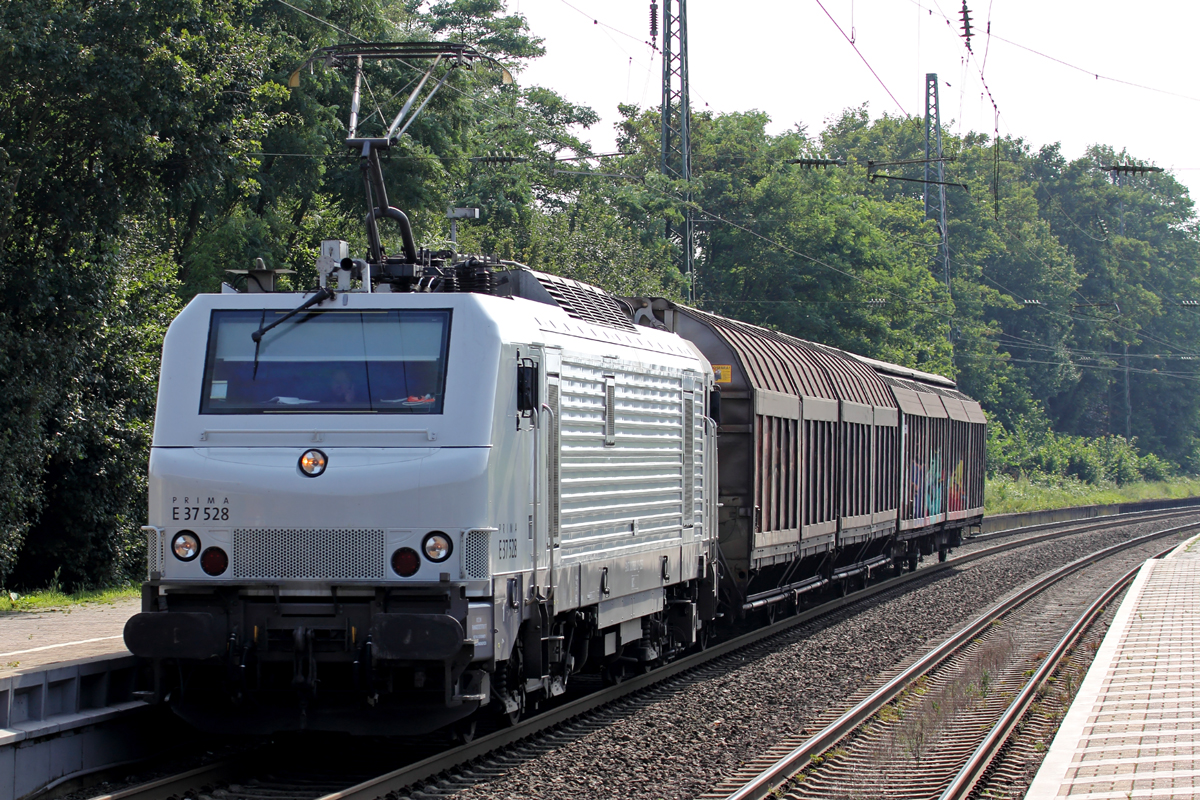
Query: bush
<point x="1154" y="468"/>
<point x="1045" y="454"/>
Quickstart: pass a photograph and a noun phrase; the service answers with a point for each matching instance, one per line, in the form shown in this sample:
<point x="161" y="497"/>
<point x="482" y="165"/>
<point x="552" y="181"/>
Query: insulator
<point x="475" y="276"/>
<point x="653" y="21"/>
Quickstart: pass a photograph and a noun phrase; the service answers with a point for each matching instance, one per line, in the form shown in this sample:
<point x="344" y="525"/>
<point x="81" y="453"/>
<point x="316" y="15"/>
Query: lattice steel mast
<point x="935" y="170"/>
<point x="676" y="161"/>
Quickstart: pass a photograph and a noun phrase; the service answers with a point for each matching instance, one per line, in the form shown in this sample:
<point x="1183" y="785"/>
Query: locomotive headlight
<point x="313" y="462"/>
<point x="185" y="545"/>
<point x="437" y="546"/>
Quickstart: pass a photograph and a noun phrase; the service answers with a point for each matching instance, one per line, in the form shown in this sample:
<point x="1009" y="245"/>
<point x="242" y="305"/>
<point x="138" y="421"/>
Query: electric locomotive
<point x="392" y="508"/>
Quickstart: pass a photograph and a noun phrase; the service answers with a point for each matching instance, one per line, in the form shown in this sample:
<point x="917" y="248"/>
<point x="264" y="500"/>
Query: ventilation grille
<point x="610" y="412"/>
<point x="156" y="552"/>
<point x="585" y="302"/>
<point x="322" y="554"/>
<point x="689" y="459"/>
<point x="554" y="446"/>
<point x="476" y="562"/>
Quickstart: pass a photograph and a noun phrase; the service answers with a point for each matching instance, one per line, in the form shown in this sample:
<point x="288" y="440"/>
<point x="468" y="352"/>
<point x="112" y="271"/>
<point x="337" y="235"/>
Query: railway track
<point x="274" y="771"/>
<point x="933" y="730"/>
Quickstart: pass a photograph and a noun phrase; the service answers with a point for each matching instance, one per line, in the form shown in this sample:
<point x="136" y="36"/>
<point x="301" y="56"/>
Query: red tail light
<point x="214" y="561"/>
<point x="406" y="562"/>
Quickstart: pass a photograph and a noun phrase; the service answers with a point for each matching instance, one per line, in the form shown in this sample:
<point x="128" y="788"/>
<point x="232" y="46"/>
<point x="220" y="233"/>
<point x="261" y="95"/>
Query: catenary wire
<point x="864" y="58"/>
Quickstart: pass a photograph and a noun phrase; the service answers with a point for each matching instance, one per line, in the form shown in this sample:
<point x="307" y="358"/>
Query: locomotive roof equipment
<point x="414" y="265"/>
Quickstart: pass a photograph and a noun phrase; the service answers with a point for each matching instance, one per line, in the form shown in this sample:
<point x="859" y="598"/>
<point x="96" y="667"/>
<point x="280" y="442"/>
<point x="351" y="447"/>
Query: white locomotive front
<point x="391" y="508"/>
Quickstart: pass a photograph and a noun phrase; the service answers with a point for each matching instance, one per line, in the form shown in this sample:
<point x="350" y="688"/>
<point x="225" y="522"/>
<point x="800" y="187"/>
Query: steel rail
<point x="962" y="784"/>
<point x="1091" y="523"/>
<point x="425" y="769"/>
<point x="179" y="784"/>
<point x="769" y="779"/>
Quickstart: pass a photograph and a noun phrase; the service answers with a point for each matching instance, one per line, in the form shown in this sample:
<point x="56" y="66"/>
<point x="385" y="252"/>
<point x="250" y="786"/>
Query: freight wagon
<point x="832" y="465"/>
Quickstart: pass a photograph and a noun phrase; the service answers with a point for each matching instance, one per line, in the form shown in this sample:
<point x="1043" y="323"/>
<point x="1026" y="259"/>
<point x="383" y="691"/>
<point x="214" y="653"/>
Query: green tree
<point x="109" y="113"/>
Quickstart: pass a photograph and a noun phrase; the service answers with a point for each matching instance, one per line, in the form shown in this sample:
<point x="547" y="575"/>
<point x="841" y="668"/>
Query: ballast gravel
<point x="683" y="740"/>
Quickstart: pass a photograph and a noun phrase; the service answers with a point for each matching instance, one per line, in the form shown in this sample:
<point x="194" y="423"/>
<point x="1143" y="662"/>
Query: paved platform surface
<point x="39" y="638"/>
<point x="1133" y="731"/>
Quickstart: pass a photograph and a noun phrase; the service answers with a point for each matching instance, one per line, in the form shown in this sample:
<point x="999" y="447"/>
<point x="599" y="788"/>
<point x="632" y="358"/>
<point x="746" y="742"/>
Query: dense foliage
<point x="147" y="147"/>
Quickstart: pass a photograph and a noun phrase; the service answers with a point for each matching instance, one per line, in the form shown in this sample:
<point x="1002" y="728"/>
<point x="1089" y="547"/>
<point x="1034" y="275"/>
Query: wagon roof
<point x="778" y="362"/>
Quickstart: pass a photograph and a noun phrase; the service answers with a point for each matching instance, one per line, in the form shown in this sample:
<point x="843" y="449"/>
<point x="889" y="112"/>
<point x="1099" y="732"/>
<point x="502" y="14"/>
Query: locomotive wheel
<point x="514" y="686"/>
<point x="464" y="730"/>
<point x="613" y="674"/>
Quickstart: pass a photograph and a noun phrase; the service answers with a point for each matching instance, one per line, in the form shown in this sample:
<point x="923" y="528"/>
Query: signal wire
<point x="596" y="21"/>
<point x="650" y="44"/>
<point x="1096" y="75"/>
<point x="850" y="41"/>
<point x="1135" y="370"/>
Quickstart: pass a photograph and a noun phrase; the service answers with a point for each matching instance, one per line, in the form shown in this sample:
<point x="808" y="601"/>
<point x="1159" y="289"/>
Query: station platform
<point x="68" y="697"/>
<point x="34" y="639"/>
<point x="1133" y="731"/>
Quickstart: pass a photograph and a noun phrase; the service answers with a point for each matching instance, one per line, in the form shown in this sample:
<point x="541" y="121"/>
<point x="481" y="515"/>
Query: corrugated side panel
<point x="689" y="457"/>
<point x="698" y="461"/>
<point x="553" y="465"/>
<point x="626" y="496"/>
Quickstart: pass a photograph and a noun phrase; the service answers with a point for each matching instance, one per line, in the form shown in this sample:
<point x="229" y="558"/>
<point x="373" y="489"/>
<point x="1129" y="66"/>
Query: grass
<point x="1006" y="495"/>
<point x="56" y="598"/>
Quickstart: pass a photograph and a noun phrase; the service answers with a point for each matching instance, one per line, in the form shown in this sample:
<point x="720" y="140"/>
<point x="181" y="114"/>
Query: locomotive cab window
<point x="319" y="362"/>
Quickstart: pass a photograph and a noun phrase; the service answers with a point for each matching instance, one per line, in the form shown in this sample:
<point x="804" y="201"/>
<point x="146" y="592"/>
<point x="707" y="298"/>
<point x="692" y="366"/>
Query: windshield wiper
<point x="323" y="294"/>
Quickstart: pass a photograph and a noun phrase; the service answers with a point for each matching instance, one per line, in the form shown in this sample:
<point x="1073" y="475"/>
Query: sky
<point x="791" y="60"/>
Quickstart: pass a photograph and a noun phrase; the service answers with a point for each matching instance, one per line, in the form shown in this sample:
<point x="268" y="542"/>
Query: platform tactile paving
<point x="1133" y="731"/>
